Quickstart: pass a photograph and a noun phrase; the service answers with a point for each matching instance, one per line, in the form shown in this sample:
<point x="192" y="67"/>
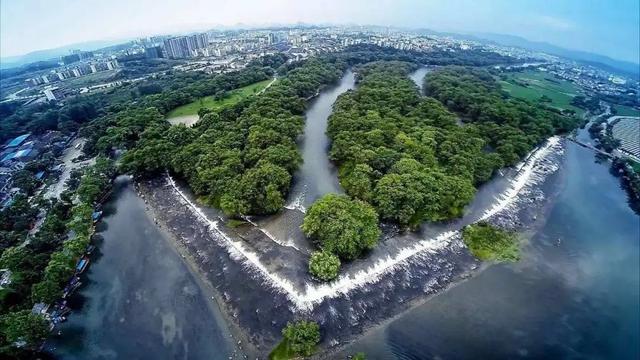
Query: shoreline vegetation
<point x="241" y="158"/>
<point x="407" y="157"/>
<point x="45" y="271"/>
<point x="488" y="243"/>
<point x="300" y="339"/>
<point x="626" y="169"/>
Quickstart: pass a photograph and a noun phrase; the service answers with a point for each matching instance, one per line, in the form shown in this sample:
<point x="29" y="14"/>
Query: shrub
<point x="487" y="242"/>
<point x="302" y="336"/>
<point x="324" y="265"/>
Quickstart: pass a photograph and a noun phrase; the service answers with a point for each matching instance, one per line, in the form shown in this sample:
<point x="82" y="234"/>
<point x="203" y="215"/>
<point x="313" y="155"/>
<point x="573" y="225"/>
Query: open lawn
<point x="208" y="102"/>
<point x="282" y="351"/>
<point x="531" y="85"/>
<point x="622" y="110"/>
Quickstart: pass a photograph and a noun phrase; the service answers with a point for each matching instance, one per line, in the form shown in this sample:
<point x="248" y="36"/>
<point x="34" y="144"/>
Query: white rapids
<point x="306" y="299"/>
<point x="269" y="235"/>
<point x="298" y="202"/>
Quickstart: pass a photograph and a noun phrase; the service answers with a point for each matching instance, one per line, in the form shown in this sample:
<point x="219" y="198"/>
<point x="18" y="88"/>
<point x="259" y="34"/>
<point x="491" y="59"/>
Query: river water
<point x="317" y="175"/>
<point x="140" y="300"/>
<point x="418" y="77"/>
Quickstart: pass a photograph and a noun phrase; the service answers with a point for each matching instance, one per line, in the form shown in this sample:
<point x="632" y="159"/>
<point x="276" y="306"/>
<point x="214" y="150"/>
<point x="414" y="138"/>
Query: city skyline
<point x="598" y="28"/>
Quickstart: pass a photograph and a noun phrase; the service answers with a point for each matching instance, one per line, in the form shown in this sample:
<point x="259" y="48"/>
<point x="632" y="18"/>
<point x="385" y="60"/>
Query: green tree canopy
<point x="302" y="336"/>
<point x="324" y="265"/>
<point x="24" y="326"/>
<point x="342" y="226"/>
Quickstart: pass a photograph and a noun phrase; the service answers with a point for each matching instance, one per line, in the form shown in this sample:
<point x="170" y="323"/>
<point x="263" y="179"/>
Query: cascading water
<point x="530" y="172"/>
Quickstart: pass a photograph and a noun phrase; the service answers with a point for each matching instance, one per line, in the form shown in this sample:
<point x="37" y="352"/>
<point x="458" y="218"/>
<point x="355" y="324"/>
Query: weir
<point x="318" y="176"/>
<point x="529" y="173"/>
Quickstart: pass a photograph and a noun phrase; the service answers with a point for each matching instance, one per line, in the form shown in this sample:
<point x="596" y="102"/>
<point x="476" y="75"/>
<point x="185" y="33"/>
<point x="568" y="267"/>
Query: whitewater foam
<point x="298" y="202"/>
<point x="313" y="294"/>
<point x="269" y="235"/>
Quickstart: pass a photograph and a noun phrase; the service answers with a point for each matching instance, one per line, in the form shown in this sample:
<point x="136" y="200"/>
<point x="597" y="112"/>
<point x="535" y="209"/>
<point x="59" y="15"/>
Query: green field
<point x="282" y="351"/>
<point x="208" y="102"/>
<point x="626" y="111"/>
<point x="531" y="85"/>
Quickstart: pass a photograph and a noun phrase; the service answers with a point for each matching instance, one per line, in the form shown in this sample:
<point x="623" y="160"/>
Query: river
<point x="317" y="175"/>
<point x="418" y="77"/>
<point x="140" y="299"/>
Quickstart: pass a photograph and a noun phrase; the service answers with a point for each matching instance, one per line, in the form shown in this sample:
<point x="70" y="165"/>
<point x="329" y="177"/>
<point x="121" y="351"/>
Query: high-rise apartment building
<point x="185" y="46"/>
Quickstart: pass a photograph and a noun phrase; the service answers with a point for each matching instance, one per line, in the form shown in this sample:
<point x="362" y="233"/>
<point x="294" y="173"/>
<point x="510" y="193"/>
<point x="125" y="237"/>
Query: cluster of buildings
<point x="75" y="71"/>
<point x="222" y="51"/>
<point x="627" y="130"/>
<point x="593" y="79"/>
<point x="17" y="152"/>
<point x="186" y="46"/>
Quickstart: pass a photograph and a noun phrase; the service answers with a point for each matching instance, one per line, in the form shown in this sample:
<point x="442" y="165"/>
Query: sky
<point x="604" y="27"/>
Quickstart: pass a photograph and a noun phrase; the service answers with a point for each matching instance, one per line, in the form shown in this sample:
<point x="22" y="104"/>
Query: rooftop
<point x="18" y="140"/>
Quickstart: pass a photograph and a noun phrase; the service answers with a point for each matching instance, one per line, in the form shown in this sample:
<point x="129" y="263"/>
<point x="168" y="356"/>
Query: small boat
<point x="82" y="265"/>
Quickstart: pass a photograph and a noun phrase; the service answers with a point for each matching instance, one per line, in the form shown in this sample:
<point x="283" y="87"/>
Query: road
<point x="71" y="153"/>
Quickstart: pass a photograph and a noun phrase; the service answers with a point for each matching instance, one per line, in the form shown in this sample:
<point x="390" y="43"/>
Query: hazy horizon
<point x="597" y="28"/>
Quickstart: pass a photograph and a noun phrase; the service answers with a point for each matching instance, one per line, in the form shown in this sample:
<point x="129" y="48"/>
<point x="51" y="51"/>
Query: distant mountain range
<point x="48" y="54"/>
<point x="597" y="60"/>
<point x="601" y="61"/>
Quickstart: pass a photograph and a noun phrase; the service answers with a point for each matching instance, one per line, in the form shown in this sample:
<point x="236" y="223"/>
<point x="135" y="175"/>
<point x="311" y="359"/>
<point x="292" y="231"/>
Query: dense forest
<point x="242" y="158"/>
<point x="511" y="126"/>
<point x="164" y="91"/>
<point x="364" y="53"/>
<point x="410" y="157"/>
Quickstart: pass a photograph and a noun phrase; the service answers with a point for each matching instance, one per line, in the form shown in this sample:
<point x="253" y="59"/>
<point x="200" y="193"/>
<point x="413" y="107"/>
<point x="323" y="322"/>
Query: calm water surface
<point x="317" y="175"/>
<point x="140" y="301"/>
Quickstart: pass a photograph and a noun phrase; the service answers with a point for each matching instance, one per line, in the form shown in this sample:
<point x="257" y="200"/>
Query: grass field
<point x="282" y="351"/>
<point x="209" y="103"/>
<point x="626" y="111"/>
<point x="531" y="85"/>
